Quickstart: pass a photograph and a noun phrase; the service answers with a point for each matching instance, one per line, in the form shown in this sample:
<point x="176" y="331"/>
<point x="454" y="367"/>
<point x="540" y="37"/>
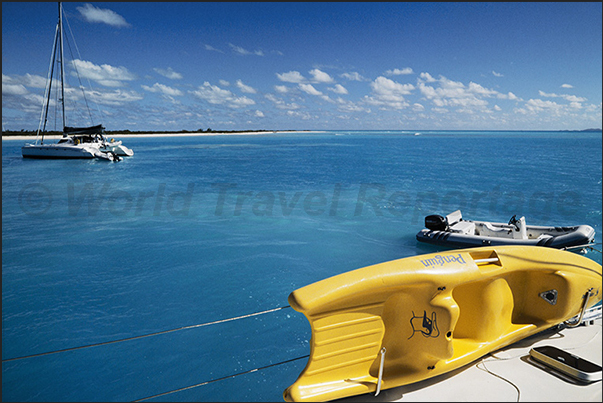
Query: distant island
<point x="25" y="133"/>
<point x="9" y="133"/>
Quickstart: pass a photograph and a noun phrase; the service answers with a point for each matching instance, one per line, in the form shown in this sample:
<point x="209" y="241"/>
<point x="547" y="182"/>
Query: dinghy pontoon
<point x="454" y="231"/>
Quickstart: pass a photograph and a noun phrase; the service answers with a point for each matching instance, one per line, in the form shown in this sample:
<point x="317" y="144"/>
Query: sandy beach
<point x="120" y="136"/>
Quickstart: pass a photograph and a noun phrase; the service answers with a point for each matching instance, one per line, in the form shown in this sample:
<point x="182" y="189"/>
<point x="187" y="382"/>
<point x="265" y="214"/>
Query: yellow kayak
<point x="410" y="319"/>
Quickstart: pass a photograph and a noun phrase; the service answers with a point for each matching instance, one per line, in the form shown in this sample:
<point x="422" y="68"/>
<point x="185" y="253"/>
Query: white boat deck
<point x="509" y="374"/>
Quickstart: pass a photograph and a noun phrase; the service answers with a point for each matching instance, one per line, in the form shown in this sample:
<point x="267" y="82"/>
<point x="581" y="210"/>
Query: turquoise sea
<point x="134" y="280"/>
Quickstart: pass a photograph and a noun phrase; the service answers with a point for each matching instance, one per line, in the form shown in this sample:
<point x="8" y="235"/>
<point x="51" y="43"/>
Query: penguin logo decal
<point x="428" y="326"/>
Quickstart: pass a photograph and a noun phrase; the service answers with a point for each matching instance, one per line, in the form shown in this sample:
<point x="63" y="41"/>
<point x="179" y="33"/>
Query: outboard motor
<point x="436" y="223"/>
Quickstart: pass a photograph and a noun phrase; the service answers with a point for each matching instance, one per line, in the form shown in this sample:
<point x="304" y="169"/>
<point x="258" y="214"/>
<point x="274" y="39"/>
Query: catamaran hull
<point x="53" y="151"/>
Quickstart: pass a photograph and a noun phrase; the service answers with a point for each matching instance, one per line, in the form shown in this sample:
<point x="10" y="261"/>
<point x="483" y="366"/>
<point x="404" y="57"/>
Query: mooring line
<point x="585" y="246"/>
<point x="147" y="335"/>
<point x="222" y="378"/>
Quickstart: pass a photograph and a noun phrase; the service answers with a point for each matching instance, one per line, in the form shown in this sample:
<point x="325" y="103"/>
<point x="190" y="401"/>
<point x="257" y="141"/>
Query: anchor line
<point x="222" y="378"/>
<point x="146" y="335"/>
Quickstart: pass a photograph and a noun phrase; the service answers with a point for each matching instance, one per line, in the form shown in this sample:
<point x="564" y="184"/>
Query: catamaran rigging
<point x="77" y="142"/>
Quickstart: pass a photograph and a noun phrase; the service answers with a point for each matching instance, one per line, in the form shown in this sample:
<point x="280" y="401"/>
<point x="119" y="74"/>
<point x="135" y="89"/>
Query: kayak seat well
<point x="486" y="310"/>
<point x="489" y="309"/>
<point x="424" y="324"/>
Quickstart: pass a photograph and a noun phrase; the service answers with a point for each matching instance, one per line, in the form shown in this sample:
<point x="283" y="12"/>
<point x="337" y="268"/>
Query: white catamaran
<point x="77" y="142"/>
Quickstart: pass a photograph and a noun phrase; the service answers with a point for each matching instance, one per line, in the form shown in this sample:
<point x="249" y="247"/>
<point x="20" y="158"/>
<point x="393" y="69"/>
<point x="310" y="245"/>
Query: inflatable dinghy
<point x="411" y="319"/>
<point x="456" y="232"/>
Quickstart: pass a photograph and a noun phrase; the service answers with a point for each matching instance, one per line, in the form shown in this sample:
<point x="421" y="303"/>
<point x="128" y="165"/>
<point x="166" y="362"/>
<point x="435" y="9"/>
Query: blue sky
<point x="279" y="66"/>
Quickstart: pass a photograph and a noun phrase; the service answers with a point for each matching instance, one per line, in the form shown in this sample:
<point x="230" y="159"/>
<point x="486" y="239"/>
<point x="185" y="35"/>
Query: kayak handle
<point x="380" y="371"/>
<point x="584" y="306"/>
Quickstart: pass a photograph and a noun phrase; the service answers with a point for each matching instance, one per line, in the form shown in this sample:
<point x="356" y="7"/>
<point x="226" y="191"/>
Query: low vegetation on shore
<point x="129" y="132"/>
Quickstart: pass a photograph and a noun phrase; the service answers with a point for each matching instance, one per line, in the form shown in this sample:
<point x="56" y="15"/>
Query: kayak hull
<point x="430" y="314"/>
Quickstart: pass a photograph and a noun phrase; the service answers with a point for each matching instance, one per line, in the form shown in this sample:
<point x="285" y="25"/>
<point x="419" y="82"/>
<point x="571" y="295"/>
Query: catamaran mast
<point x="57" y="56"/>
<point x="44" y="116"/>
<point x="61" y="61"/>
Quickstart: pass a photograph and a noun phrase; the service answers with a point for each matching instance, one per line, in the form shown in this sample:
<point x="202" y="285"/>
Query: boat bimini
<point x="454" y="231"/>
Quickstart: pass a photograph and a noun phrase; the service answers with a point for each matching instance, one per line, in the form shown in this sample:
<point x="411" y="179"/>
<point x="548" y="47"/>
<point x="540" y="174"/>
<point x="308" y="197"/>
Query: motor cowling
<point x="436" y="223"/>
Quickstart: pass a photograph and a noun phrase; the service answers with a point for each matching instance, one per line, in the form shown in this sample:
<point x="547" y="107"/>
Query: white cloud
<point x="241" y="51"/>
<point x="105" y="74"/>
<point x="554" y="109"/>
<point x="212" y="49"/>
<point x="573" y="98"/>
<point x="291" y="77"/>
<point x="224" y="83"/>
<point x="544" y="94"/>
<point x="570" y="98"/>
<point x="16" y="96"/>
<point x="102" y="15"/>
<point x="348" y="106"/>
<point x="538" y="105"/>
<point x="418" y="107"/>
<point x="451" y="87"/>
<point x="389" y="94"/>
<point x="510" y="96"/>
<point x="280" y="104"/>
<point x="353" y="76"/>
<point x="309" y="89"/>
<point x="169" y="73"/>
<point x="281" y="89"/>
<point x="218" y="96"/>
<point x="567" y="86"/>
<point x="259" y="114"/>
<point x="338" y="89"/>
<point x="28" y="80"/>
<point x="13" y="89"/>
<point x="427" y="77"/>
<point x="320" y="76"/>
<point x="478" y="89"/>
<point x="163" y="89"/>
<point x="245" y="88"/>
<point x="495" y="74"/>
<point x="596" y="109"/>
<point x="385" y="86"/>
<point x="456" y="94"/>
<point x="115" y="98"/>
<point x="398" y="72"/>
<point x="301" y="115"/>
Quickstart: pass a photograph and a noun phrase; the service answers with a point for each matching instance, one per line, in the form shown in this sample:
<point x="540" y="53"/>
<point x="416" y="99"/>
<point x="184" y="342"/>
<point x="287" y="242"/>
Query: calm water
<point x="195" y="230"/>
